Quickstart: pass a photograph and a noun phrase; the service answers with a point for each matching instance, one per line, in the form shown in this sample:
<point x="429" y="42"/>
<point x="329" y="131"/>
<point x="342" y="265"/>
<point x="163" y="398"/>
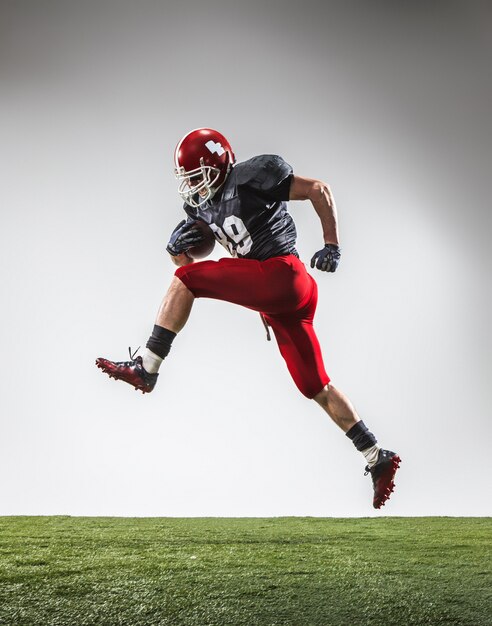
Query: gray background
<point x="389" y="102"/>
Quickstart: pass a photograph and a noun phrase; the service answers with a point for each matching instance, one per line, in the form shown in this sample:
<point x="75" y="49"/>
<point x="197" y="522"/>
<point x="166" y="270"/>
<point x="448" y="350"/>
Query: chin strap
<point x="266" y="325"/>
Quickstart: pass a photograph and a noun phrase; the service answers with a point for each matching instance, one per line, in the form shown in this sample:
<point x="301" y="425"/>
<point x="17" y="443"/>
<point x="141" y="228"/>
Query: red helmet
<point x="202" y="160"/>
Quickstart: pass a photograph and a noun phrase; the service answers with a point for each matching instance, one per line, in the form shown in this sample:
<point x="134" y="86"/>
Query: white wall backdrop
<point x="389" y="103"/>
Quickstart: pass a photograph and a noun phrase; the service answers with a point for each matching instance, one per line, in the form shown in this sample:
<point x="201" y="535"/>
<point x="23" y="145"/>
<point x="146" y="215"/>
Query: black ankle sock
<point x="160" y="341"/>
<point x="361" y="437"/>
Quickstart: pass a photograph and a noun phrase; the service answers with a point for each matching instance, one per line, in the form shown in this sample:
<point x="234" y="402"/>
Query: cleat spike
<point x="383" y="473"/>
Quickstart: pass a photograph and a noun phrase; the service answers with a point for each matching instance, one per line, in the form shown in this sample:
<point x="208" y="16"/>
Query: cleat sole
<point x="384" y="497"/>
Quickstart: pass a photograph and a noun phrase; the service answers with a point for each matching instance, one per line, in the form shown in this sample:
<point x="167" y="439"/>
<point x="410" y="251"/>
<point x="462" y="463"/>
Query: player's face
<point x="194" y="182"/>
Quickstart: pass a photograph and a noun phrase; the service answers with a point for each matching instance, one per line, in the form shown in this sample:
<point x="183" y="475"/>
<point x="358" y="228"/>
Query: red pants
<point x="280" y="289"/>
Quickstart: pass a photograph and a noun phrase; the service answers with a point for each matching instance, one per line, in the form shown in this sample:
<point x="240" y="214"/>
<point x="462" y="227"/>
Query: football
<point x="203" y="249"/>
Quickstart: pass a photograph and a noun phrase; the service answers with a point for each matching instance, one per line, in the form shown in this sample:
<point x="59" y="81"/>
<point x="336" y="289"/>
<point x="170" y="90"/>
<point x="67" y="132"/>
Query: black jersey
<point x="249" y="213"/>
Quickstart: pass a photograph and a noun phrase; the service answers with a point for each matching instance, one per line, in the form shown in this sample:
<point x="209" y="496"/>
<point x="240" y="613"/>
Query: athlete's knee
<point x="179" y="288"/>
<point x="197" y="277"/>
<point x="311" y="389"/>
<point x="180" y="272"/>
<point x="323" y="396"/>
<point x="181" y="282"/>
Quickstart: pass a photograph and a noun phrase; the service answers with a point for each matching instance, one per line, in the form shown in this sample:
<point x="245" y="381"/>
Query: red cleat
<point x="132" y="372"/>
<point x="383" y="473"/>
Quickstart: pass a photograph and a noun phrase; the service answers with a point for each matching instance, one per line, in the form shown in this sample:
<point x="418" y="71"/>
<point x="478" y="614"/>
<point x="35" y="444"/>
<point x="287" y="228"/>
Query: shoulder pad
<point x="263" y="172"/>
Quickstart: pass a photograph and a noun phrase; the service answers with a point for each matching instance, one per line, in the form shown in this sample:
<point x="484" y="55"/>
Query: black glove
<point x="184" y="237"/>
<point x="327" y="259"/>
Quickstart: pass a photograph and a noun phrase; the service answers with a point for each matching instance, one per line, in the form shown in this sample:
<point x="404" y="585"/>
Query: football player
<point x="245" y="205"/>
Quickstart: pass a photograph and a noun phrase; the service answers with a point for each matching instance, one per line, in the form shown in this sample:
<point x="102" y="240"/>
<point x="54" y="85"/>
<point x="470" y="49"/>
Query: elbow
<point x="318" y="189"/>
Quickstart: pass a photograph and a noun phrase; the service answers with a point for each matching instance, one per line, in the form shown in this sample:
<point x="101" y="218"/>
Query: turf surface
<point x="281" y="571"/>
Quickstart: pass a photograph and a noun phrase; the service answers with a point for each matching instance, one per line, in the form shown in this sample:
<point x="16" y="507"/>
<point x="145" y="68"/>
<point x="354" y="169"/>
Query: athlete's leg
<point x="338" y="407"/>
<point x="274" y="285"/>
<point x="298" y="343"/>
<point x="175" y="307"/>
<point x="301" y="351"/>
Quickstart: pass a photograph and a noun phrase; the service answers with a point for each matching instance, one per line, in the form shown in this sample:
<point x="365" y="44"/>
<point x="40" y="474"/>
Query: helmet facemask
<point x="192" y="182"/>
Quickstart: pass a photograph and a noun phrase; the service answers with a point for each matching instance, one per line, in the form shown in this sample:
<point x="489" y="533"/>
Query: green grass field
<point x="280" y="571"/>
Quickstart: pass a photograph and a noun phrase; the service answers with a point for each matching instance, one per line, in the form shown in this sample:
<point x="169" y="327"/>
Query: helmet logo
<point x="215" y="147"/>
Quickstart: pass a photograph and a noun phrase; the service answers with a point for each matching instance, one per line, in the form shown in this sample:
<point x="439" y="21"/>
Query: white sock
<point x="151" y="362"/>
<point x="371" y="454"/>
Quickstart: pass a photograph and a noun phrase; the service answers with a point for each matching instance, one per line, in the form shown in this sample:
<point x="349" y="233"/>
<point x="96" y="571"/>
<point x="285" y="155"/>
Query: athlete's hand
<point x="326" y="259"/>
<point x="184" y="237"/>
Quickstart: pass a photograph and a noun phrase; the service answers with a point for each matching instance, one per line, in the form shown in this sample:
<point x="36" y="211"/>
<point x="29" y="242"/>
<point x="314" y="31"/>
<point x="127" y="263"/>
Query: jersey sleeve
<point x="267" y="174"/>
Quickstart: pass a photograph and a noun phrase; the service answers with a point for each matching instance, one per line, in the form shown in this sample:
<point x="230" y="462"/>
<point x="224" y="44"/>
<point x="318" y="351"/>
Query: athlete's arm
<point x="323" y="202"/>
